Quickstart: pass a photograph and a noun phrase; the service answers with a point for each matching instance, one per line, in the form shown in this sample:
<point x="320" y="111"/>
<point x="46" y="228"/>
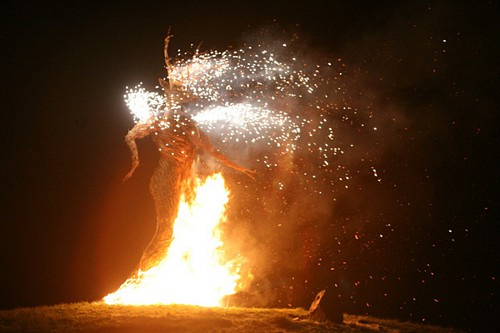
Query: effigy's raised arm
<point x="139" y="131"/>
<point x="168" y="62"/>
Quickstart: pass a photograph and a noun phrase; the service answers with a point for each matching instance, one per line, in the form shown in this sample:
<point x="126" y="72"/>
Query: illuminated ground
<point x="99" y="317"/>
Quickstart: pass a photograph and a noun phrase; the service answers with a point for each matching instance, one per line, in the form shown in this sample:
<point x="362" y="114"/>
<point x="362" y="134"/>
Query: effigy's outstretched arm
<point x="139" y="131"/>
<point x="221" y="157"/>
<point x="208" y="147"/>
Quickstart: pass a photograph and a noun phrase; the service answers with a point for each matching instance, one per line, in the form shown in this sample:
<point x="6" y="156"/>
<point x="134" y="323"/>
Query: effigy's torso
<point x="178" y="144"/>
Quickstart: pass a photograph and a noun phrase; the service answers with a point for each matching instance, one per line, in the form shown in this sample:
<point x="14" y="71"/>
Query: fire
<point x="194" y="270"/>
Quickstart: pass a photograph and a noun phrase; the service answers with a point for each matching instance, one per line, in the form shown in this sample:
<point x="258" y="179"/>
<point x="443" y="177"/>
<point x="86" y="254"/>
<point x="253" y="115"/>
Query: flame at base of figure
<point x="194" y="270"/>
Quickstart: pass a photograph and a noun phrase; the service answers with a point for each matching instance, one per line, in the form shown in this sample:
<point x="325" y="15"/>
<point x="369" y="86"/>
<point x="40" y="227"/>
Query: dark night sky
<point x="420" y="245"/>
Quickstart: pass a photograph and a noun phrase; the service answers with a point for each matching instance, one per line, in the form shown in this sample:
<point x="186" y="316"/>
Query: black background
<point x="71" y="231"/>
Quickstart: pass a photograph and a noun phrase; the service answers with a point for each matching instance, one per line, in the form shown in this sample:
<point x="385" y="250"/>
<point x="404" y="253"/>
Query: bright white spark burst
<point x="144" y="104"/>
<point x="248" y="96"/>
<point x="249" y="123"/>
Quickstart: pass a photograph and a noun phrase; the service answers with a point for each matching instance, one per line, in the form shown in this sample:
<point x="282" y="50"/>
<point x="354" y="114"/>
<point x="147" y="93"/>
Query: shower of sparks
<point x="255" y="97"/>
<point x="249" y="123"/>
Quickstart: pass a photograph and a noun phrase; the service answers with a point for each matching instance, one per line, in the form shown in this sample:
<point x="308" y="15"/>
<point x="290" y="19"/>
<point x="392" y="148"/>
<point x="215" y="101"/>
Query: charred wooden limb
<point x="139" y="131"/>
<point x="324" y="308"/>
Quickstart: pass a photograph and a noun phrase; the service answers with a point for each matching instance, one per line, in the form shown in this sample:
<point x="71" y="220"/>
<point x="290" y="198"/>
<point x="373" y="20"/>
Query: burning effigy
<point x="242" y="97"/>
<point x="176" y="180"/>
<point x="180" y="143"/>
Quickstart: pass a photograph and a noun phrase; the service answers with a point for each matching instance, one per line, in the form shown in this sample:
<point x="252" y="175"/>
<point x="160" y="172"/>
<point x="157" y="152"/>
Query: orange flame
<point x="194" y="270"/>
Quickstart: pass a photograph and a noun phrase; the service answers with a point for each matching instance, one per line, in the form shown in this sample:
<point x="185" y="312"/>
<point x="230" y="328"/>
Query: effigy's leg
<point x="165" y="187"/>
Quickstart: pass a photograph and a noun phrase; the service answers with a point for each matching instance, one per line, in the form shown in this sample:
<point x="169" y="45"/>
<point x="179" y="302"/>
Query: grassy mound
<point x="101" y="318"/>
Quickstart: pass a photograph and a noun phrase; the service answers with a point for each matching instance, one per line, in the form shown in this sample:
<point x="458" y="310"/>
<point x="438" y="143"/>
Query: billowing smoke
<point x="314" y="138"/>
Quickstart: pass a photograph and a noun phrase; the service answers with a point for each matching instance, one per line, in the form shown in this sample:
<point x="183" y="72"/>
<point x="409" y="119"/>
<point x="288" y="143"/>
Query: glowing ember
<point x="194" y="270"/>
